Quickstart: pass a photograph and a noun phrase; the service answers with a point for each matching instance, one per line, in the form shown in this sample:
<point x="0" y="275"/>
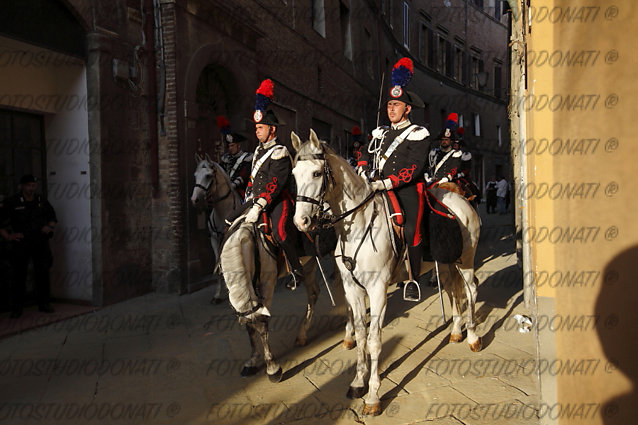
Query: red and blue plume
<point x="402" y="72"/>
<point x="264" y="94"/>
<point x="356" y="133"/>
<point x="223" y="124"/>
<point x="452" y="121"/>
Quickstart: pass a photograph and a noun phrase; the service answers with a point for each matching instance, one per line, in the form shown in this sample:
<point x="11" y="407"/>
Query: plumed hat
<point x="227" y="133"/>
<point x="263" y="98"/>
<point x="402" y="73"/>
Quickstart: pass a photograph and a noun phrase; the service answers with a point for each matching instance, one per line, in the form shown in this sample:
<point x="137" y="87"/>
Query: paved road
<point x="162" y="359"/>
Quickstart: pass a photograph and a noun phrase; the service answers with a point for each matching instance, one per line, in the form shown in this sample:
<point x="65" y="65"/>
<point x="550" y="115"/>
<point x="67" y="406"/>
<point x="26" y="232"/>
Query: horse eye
<point x="316" y="174"/>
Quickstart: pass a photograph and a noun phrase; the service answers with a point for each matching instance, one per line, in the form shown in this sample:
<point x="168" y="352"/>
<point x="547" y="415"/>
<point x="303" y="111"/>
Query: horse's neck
<point x="349" y="192"/>
<point x="222" y="187"/>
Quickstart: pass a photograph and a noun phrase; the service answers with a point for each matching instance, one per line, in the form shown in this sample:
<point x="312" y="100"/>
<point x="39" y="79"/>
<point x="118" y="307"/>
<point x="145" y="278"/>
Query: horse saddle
<point x="443" y="231"/>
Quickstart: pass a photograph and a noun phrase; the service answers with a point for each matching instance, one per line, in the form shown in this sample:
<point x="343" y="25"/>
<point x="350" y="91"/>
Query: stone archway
<point x="216" y="85"/>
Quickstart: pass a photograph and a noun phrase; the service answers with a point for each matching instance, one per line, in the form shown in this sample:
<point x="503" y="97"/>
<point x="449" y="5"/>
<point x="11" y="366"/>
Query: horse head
<point x="204" y="178"/>
<point x="312" y="178"/>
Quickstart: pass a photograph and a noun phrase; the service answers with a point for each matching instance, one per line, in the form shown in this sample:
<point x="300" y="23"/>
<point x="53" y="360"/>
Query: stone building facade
<point x="153" y="76"/>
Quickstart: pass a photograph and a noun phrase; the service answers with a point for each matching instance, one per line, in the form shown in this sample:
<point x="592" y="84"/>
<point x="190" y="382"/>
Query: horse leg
<point x="348" y="341"/>
<point x="273" y="369"/>
<point x="251" y="366"/>
<point x="217" y="292"/>
<point x="455" y="294"/>
<point x="312" y="291"/>
<point x="377" y="296"/>
<point x="356" y="299"/>
<point x="468" y="282"/>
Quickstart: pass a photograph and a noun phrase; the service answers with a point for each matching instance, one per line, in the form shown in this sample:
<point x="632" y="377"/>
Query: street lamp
<point x="481" y="78"/>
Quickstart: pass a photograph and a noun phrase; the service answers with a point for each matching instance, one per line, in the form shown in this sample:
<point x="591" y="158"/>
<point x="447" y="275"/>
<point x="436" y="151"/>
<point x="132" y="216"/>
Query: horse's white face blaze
<point x="203" y="176"/>
<point x="309" y="178"/>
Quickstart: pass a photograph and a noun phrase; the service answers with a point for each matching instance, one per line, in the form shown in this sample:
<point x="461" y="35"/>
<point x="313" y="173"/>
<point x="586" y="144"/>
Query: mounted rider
<point x="356" y="146"/>
<point x="235" y="161"/>
<point x="464" y="175"/>
<point x="268" y="193"/>
<point x="395" y="161"/>
<point x="444" y="162"/>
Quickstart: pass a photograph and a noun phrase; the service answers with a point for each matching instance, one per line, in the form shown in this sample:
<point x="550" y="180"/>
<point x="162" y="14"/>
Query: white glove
<point x="253" y="214"/>
<point x="377" y="186"/>
<point x="444" y="180"/>
<point x="377" y="133"/>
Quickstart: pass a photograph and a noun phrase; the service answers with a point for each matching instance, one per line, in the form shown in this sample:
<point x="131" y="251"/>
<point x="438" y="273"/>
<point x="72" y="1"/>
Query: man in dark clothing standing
<point x="31" y="220"/>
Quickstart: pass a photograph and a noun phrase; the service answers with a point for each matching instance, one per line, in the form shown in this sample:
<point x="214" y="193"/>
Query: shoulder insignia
<point x="466" y="156"/>
<point x="280" y="152"/>
<point x="419" y="133"/>
<point x="457" y="154"/>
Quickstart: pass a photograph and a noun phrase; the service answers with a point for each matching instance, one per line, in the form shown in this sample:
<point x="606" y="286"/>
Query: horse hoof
<point x="477" y="345"/>
<point x="456" y="337"/>
<point x="349" y="345"/>
<point x="249" y="371"/>
<point x="301" y="342"/>
<point x="356" y="392"/>
<point x="372" y="409"/>
<point x="276" y="377"/>
<point x="215" y="300"/>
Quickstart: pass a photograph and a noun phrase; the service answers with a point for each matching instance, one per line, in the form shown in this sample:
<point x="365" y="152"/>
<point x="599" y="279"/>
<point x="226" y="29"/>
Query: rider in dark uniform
<point x="395" y="161"/>
<point x="464" y="175"/>
<point x="356" y="146"/>
<point x="443" y="162"/>
<point x="235" y="161"/>
<point x="32" y="220"/>
<point x="270" y="185"/>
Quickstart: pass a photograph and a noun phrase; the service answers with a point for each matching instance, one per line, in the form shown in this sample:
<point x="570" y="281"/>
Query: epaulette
<point x="418" y="133"/>
<point x="457" y="154"/>
<point x="280" y="152"/>
<point x="466" y="156"/>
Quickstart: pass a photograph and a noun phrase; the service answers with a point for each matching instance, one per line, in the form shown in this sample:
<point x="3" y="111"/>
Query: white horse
<point x="212" y="185"/>
<point x="251" y="266"/>
<point x="366" y="256"/>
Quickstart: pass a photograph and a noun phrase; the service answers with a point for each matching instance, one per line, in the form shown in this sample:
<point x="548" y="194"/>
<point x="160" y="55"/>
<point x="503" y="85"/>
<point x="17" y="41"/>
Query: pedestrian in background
<point x="501" y="193"/>
<point x="490" y="195"/>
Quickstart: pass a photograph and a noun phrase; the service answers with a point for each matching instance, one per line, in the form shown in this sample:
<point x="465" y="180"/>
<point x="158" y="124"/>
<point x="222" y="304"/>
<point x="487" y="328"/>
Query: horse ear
<point x="296" y="141"/>
<point x="314" y="139"/>
<point x="198" y="158"/>
<point x="208" y="158"/>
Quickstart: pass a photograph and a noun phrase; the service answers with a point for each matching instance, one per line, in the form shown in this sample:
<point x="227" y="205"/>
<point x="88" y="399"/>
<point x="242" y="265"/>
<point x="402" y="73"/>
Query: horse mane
<point x="343" y="165"/>
<point x="223" y="172"/>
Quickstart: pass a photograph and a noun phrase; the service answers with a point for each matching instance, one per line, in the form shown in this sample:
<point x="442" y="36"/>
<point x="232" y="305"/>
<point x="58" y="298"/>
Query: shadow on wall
<point x="617" y="329"/>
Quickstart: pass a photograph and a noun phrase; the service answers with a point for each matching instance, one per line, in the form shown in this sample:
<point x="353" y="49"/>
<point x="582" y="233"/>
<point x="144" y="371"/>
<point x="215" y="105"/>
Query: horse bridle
<point x="205" y="188"/>
<point x="327" y="181"/>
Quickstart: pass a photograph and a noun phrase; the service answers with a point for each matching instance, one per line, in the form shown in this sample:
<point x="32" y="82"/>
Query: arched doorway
<point x="216" y="94"/>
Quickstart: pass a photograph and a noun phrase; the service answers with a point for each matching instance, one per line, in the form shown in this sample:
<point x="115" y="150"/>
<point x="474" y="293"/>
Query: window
<point x="461" y="121"/>
<point x="498" y="136"/>
<point x="459" y="61"/>
<point x="427" y="46"/>
<point x="478" y="3"/>
<point x="318" y="16"/>
<point x="441" y="54"/>
<point x="497" y="10"/>
<point x="346" y="35"/>
<point x="406" y="25"/>
<point x="497" y="81"/>
<point x="477" y="125"/>
<point x="369" y="54"/>
<point x="449" y="60"/>
<point x="319" y="80"/>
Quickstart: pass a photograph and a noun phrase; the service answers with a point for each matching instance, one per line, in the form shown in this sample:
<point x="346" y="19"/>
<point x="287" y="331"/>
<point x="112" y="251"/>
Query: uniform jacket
<point x="406" y="163"/>
<point x="447" y="167"/>
<point x="274" y="174"/>
<point x="238" y="168"/>
<point x="27" y="217"/>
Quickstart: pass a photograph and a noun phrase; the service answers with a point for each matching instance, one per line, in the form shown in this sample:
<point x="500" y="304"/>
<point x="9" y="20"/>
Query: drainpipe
<point x="152" y="95"/>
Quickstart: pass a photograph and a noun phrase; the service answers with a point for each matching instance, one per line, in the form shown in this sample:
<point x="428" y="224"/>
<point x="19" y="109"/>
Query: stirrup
<point x="411" y="291"/>
<point x="293" y="282"/>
